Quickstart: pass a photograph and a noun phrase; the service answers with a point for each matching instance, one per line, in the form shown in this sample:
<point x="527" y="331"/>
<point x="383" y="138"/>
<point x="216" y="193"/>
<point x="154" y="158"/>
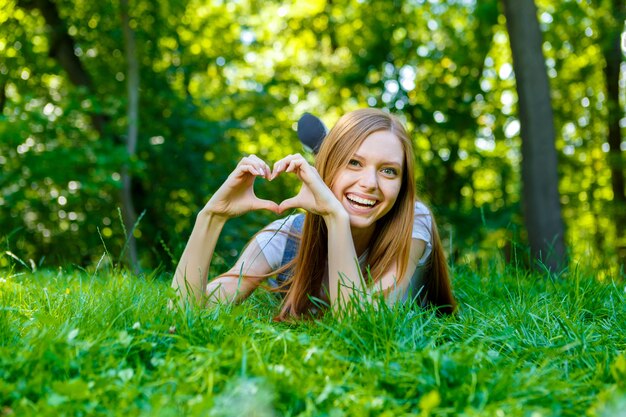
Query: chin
<point x="357" y="222"/>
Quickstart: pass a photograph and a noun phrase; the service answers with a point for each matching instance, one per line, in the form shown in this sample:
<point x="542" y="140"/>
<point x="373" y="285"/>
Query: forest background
<point x="138" y="111"/>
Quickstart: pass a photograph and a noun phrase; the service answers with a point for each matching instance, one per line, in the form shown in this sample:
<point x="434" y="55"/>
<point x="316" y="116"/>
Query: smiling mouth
<point x="361" y="202"/>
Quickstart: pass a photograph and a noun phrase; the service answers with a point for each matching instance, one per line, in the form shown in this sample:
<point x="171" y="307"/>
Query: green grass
<point x="78" y="343"/>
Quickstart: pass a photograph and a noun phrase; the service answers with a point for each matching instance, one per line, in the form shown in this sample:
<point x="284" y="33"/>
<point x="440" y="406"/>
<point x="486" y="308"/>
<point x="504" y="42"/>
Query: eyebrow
<point x="399" y="164"/>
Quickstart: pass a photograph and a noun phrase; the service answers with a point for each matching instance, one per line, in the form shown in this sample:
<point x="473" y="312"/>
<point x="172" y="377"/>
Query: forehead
<point x="382" y="145"/>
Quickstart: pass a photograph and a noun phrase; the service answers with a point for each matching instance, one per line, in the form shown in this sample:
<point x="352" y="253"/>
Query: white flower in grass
<point x="156" y="362"/>
<point x="126" y="374"/>
<point x="2" y="280"/>
<point x="72" y="335"/>
<point x="124" y="338"/>
<point x="310" y="352"/>
<point x="136" y="325"/>
<point x="245" y="397"/>
<point x="279" y="369"/>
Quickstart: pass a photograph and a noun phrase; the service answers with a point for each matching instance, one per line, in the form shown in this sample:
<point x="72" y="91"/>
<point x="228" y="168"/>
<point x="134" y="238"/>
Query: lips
<point x="361" y="202"/>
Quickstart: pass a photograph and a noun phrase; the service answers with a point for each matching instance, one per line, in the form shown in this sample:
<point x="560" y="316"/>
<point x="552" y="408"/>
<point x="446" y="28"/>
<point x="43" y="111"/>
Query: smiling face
<point x="369" y="185"/>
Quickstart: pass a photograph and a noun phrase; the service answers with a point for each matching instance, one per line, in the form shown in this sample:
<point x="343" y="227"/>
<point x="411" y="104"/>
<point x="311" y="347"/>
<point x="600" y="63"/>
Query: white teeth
<point x="360" y="200"/>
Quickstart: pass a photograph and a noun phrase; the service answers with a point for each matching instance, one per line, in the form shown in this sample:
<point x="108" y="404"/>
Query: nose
<point x="368" y="179"/>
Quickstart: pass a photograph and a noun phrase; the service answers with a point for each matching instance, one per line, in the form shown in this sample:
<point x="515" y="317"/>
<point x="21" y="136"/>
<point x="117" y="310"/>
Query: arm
<point x="190" y="278"/>
<point x="390" y="280"/>
<point x="343" y="259"/>
<point x="230" y="287"/>
<point x="344" y="273"/>
<point x="235" y="197"/>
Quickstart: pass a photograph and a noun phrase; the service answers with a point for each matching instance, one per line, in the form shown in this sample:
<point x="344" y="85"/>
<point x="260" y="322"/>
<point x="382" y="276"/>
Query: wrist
<point x="210" y="218"/>
<point x="213" y="208"/>
<point x="336" y="217"/>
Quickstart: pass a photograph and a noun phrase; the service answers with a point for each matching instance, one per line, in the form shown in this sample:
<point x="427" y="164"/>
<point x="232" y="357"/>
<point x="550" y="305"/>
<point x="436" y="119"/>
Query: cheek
<point x="393" y="191"/>
<point x="340" y="182"/>
<point x="336" y="191"/>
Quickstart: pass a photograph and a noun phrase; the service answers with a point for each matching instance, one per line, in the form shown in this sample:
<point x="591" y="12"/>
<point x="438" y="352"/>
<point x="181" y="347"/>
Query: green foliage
<point x="104" y="343"/>
<point x="223" y="79"/>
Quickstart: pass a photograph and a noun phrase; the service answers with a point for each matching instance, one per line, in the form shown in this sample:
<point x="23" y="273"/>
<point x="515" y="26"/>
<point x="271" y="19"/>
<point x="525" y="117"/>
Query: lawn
<point x="74" y="342"/>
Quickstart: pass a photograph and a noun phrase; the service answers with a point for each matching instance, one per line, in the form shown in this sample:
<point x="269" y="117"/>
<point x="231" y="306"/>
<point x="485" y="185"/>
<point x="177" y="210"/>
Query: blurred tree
<point x="61" y="177"/>
<point x="542" y="211"/>
<point x="611" y="26"/>
<point x="574" y="33"/>
<point x="132" y="112"/>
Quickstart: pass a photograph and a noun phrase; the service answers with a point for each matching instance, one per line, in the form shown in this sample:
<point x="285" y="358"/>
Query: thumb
<point x="290" y="203"/>
<point x="259" y="204"/>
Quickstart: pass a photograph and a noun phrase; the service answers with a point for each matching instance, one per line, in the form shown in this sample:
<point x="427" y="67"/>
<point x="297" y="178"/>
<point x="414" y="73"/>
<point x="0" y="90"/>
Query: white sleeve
<point x="422" y="229"/>
<point x="273" y="239"/>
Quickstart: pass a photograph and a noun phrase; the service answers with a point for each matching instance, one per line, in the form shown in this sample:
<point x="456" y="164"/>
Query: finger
<point x="296" y="164"/>
<point x="286" y="164"/>
<point x="290" y="203"/>
<point x="256" y="162"/>
<point x="278" y="168"/>
<point x="253" y="170"/>
<point x="260" y="204"/>
<point x="246" y="160"/>
<point x="249" y="169"/>
<point x="294" y="157"/>
<point x="292" y="166"/>
<point x="260" y="165"/>
<point x="280" y="165"/>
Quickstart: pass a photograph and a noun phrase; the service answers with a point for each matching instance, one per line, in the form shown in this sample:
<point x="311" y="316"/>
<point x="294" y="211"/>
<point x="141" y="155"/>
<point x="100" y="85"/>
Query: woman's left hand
<point x="314" y="196"/>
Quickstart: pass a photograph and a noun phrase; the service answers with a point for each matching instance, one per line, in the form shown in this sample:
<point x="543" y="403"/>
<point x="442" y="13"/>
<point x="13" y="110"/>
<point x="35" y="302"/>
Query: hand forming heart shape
<point x="236" y="196"/>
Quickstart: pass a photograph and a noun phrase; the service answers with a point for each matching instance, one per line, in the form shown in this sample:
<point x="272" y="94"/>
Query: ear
<point x="311" y="132"/>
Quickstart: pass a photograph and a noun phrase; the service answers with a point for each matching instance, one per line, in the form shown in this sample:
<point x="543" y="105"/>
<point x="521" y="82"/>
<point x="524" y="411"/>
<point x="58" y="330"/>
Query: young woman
<point x="363" y="233"/>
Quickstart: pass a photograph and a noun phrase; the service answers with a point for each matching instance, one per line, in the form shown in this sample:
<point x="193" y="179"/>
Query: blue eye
<point x="354" y="163"/>
<point x="390" y="171"/>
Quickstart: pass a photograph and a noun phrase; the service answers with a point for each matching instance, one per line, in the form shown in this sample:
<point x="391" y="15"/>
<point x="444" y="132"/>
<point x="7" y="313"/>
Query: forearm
<point x="344" y="274"/>
<point x="190" y="278"/>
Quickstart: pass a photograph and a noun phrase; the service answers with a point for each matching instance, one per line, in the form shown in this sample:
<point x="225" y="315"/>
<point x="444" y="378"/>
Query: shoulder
<point x="421" y="209"/>
<point x="272" y="239"/>
<point x="422" y="222"/>
<point x="423" y="229"/>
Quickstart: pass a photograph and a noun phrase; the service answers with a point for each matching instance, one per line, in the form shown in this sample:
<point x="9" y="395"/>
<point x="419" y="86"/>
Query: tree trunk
<point x="542" y="211"/>
<point x="611" y="35"/>
<point x="132" y="114"/>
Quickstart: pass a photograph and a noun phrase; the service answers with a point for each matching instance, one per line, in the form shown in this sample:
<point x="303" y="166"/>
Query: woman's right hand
<point x="236" y="195"/>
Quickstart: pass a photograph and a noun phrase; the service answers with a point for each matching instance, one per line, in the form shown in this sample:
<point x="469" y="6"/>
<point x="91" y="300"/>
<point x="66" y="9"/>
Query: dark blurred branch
<point x="62" y="47"/>
<point x="3" y="95"/>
